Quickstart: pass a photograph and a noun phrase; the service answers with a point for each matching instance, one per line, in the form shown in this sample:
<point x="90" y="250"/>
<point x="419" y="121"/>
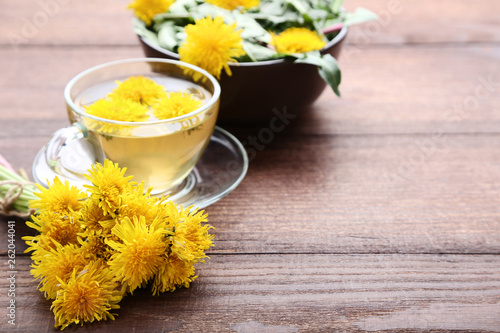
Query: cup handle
<point x="74" y="136"/>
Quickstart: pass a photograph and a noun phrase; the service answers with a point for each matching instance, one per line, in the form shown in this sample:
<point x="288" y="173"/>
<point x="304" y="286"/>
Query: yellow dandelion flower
<point x="175" y="104"/>
<point x="174" y="273"/>
<point x="139" y="252"/>
<point x="233" y="4"/>
<point x="109" y="224"/>
<point x="53" y="228"/>
<point x="108" y="183"/>
<point x="211" y="45"/>
<point x="138" y="89"/>
<point x="93" y="246"/>
<point x="297" y="40"/>
<point x="59" y="198"/>
<point x="93" y="218"/>
<point x="58" y="263"/>
<point x="137" y="203"/>
<point x="86" y="297"/>
<point x="190" y="238"/>
<point x="118" y="109"/>
<point x="147" y="9"/>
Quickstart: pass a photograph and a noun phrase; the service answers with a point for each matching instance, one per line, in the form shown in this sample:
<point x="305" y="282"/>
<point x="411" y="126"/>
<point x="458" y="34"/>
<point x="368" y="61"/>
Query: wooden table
<point x="379" y="211"/>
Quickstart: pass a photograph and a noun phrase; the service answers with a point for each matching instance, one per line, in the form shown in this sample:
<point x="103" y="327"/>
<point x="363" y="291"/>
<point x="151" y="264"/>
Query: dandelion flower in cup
<point x="147" y="9"/>
<point x="139" y="251"/>
<point x="233" y="4"/>
<point x="108" y="184"/>
<point x="138" y="89"/>
<point x="212" y="45"/>
<point x="57" y="264"/>
<point x="87" y="296"/>
<point x="118" y="109"/>
<point x="59" y="198"/>
<point x="297" y="40"/>
<point x="176" y="104"/>
<point x="174" y="273"/>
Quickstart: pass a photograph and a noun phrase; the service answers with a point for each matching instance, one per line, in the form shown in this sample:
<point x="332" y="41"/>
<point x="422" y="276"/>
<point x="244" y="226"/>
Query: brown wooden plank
<point x="90" y="23"/>
<point x="356" y="194"/>
<point x="346" y="195"/>
<point x="403" y="22"/>
<point x="412" y="90"/>
<point x="34" y="80"/>
<point x="404" y="90"/>
<point x="56" y="22"/>
<point x="299" y="293"/>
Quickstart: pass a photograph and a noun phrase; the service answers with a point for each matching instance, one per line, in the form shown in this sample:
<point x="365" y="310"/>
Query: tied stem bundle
<point x="15" y="192"/>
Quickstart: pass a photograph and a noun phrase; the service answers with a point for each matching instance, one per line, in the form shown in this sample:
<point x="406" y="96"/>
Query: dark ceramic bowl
<point x="255" y="89"/>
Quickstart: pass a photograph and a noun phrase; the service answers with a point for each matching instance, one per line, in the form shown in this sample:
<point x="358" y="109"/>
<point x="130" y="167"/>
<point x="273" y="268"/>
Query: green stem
<point x="23" y="201"/>
<point x="6" y="174"/>
<point x="21" y="204"/>
<point x="21" y="208"/>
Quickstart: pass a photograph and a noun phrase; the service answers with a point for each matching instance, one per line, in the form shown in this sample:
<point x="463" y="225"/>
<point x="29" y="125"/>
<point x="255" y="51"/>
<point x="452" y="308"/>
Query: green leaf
<point x="167" y="37"/>
<point x="272" y="8"/>
<point x="275" y="20"/>
<point x="160" y="18"/>
<point x="328" y="68"/>
<point x="258" y="52"/>
<point x="318" y="14"/>
<point x="360" y="15"/>
<point x="335" y="5"/>
<point x="249" y="26"/>
<point x="207" y="9"/>
<point x="182" y="6"/>
<point x="330" y="72"/>
<point x="303" y="8"/>
<point x="300" y="6"/>
<point x="141" y="30"/>
<point x="332" y="21"/>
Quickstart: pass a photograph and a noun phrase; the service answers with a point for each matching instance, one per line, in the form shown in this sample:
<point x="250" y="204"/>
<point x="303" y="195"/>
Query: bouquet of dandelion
<point x="214" y="33"/>
<point x="94" y="248"/>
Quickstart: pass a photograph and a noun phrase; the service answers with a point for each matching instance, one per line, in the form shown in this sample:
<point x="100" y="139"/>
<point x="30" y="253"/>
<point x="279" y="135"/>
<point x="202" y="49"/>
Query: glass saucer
<point x="220" y="169"/>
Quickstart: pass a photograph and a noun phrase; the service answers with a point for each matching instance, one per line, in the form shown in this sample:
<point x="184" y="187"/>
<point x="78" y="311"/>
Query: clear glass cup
<point x="161" y="152"/>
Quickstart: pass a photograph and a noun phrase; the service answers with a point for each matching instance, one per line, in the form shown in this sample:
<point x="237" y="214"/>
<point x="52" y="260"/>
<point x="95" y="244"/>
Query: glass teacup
<point x="159" y="152"/>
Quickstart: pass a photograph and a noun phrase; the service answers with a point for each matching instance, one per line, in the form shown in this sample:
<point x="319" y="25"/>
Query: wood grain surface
<point x="376" y="212"/>
<point x="303" y="293"/>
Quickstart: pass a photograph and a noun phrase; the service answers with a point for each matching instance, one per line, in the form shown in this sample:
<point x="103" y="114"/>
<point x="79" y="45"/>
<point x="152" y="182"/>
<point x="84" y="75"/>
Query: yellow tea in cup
<point x="160" y="152"/>
<point x="154" y="153"/>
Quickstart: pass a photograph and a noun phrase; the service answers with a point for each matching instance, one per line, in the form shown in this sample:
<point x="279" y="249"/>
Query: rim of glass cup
<point x="215" y="96"/>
